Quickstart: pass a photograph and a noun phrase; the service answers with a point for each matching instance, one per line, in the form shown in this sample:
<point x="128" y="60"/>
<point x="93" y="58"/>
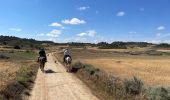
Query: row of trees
<point x="21" y="43"/>
<point x="113" y="45"/>
<point x="15" y="41"/>
<point x="122" y="45"/>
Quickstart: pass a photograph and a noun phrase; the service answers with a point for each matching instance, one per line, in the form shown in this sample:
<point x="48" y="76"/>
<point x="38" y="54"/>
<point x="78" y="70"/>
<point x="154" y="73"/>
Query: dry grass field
<point x="10" y="63"/>
<point x="152" y="69"/>
<point x="7" y="72"/>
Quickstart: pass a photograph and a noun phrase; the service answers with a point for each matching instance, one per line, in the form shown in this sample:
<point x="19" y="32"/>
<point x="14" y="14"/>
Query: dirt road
<point x="57" y="84"/>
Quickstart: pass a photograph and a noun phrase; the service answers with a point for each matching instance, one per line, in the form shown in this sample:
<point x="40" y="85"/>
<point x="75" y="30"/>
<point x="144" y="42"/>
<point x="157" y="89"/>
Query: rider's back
<point x="66" y="52"/>
<point x="42" y="53"/>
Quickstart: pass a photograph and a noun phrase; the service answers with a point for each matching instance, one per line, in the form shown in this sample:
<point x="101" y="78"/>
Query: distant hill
<point x="22" y="42"/>
<point x="32" y="43"/>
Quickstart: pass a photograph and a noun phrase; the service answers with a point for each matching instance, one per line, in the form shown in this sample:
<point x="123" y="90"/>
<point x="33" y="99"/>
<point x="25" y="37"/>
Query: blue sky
<point x="87" y="20"/>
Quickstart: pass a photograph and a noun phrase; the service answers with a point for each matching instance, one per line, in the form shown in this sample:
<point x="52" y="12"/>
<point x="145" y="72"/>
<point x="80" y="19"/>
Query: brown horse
<point x="42" y="61"/>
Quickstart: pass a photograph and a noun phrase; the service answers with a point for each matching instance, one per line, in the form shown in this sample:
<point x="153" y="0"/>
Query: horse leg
<point x="40" y="67"/>
<point x="43" y="66"/>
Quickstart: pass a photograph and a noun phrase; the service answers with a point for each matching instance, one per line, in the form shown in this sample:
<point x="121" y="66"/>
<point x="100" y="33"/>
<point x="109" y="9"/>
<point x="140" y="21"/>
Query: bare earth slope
<point x="57" y="84"/>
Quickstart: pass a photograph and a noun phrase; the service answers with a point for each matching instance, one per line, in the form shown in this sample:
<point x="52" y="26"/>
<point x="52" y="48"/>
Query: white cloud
<point x="142" y="9"/>
<point x="95" y="39"/>
<point x="165" y="35"/>
<point x="83" y="8"/>
<point x="121" y="13"/>
<point x="90" y="33"/>
<point x="55" y="24"/>
<point x="15" y="29"/>
<point x="161" y="28"/>
<point x="41" y="34"/>
<point x="155" y="41"/>
<point x="76" y="39"/>
<point x="54" y="33"/>
<point x="73" y="21"/>
<point x="82" y="34"/>
<point x="159" y="41"/>
<point x="158" y="34"/>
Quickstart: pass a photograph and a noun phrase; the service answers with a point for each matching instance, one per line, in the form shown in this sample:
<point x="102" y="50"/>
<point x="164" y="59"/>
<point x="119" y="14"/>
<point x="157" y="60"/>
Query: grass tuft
<point x="159" y="93"/>
<point x="133" y="86"/>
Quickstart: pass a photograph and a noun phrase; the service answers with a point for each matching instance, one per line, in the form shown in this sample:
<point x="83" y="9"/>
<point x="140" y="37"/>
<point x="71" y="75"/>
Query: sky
<point x="87" y="20"/>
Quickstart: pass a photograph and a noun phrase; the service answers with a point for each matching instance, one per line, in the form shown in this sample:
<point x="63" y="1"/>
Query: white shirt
<point x="66" y="52"/>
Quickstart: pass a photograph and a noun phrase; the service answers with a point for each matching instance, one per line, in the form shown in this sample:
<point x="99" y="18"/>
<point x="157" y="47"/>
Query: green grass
<point x="24" y="75"/>
<point x="18" y="55"/>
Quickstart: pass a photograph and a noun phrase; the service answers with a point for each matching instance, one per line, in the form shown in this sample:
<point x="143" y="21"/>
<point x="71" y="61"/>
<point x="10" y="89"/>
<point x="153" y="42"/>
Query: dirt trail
<point x="57" y="84"/>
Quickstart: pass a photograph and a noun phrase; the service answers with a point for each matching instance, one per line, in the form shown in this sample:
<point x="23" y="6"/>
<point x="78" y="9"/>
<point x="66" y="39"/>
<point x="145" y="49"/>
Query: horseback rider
<point x="42" y="54"/>
<point x="66" y="54"/>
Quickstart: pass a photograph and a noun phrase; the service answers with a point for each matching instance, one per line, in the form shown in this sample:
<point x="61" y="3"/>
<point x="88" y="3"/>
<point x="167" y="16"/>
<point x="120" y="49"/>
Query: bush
<point x="17" y="47"/>
<point x="76" y="66"/>
<point x="159" y="93"/>
<point x="163" y="45"/>
<point x="3" y="56"/>
<point x="108" y="87"/>
<point x="133" y="86"/>
<point x="88" y="68"/>
<point x="21" y="85"/>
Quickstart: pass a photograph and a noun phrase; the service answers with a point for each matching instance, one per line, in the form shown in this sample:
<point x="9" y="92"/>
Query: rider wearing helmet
<point x="66" y="54"/>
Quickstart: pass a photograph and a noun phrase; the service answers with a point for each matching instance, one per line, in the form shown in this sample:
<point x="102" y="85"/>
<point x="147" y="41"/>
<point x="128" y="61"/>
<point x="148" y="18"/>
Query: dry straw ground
<point x="152" y="69"/>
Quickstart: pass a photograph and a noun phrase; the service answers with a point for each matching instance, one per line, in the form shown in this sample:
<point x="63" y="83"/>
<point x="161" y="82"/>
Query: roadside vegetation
<point x="18" y="74"/>
<point x="163" y="45"/>
<point x="108" y="87"/>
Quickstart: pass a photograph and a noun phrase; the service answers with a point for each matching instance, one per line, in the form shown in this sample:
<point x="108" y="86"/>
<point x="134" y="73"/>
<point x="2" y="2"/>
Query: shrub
<point x="90" y="69"/>
<point x="17" y="47"/>
<point x="19" y="87"/>
<point x="3" y="56"/>
<point x="159" y="93"/>
<point x="133" y="86"/>
<point x="109" y="87"/>
<point x="163" y="45"/>
<point x="76" y="66"/>
<point x="23" y="76"/>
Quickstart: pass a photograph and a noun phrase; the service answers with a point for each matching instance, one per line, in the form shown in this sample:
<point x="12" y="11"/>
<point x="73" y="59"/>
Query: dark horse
<point x="67" y="63"/>
<point x="42" y="61"/>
